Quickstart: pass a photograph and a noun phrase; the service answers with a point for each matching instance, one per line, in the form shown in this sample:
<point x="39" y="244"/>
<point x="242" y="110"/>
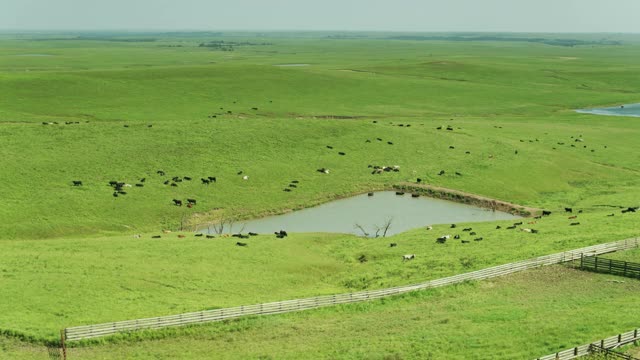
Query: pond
<point x="622" y="110"/>
<point x="370" y="212"/>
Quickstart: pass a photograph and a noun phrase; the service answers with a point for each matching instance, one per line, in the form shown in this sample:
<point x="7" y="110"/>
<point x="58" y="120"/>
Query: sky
<point x="336" y="15"/>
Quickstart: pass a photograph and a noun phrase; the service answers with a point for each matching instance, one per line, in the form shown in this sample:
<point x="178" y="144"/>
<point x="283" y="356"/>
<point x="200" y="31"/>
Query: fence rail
<point x="98" y="330"/>
<point x="597" y="349"/>
<point x="608" y="266"/>
<point x="608" y="343"/>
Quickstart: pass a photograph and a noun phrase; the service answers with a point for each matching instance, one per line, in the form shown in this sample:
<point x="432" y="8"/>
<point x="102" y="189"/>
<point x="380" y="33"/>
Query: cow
<point x="143" y="180"/>
<point x="546" y="212"/>
<point x="459" y="174"/>
<point x="568" y="210"/>
<point x="342" y="153"/>
<point x="140" y="185"/>
<point x="205" y="181"/>
<point x="253" y="234"/>
<point x="389" y="142"/>
<point x="467" y="229"/>
<point x="77" y="183"/>
<point x="181" y="236"/>
<point x="419" y="180"/>
<point x="286" y="190"/>
<point x="187" y="178"/>
<point x="441" y="172"/>
<point x="442" y="239"/>
<point x="457" y="237"/>
<point x="174" y="184"/>
<point x="518" y="223"/>
<point x="511" y="227"/>
<point x="323" y="170"/>
<point x="465" y="241"/>
<point x="199" y="234"/>
<point x="408" y="257"/>
<point x="293" y="185"/>
<point x="415" y="195"/>
<point x="451" y="147"/>
<point x="498" y="227"/>
<point x="295" y="181"/>
<point x="472" y="233"/>
<point x="399" y="192"/>
<point x="573" y="217"/>
<point x="160" y="172"/>
<point x="525" y="230"/>
<point x="246" y="177"/>
<point x="611" y="214"/>
<point x="478" y="239"/>
<point x="156" y="237"/>
<point x="429" y="227"/>
<point x="177" y="202"/>
<point x="115" y="194"/>
<point x="329" y="147"/>
<point x="369" y="194"/>
<point x="393" y="245"/>
<point x="281" y="234"/>
<point x="241" y="244"/>
<point x="574" y="223"/>
<point x="210" y="236"/>
<point x="212" y="178"/>
<point x="191" y="201"/>
<point x="453" y="226"/>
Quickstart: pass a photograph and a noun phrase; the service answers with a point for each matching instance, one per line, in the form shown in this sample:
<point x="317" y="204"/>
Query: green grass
<point x="67" y="256"/>
<point x="519" y="316"/>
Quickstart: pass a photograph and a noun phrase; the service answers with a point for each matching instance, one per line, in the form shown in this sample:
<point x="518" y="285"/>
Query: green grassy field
<point x="67" y="255"/>
<point x="519" y="316"/>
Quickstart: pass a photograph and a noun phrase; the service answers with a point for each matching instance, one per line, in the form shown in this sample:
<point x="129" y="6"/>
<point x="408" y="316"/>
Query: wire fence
<point x="608" y="343"/>
<point x="105" y="329"/>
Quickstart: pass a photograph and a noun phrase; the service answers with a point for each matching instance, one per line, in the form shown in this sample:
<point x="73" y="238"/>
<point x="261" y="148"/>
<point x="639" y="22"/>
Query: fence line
<point x="608" y="266"/>
<point x="608" y="343"/>
<point x="98" y="330"/>
<point x="596" y="349"/>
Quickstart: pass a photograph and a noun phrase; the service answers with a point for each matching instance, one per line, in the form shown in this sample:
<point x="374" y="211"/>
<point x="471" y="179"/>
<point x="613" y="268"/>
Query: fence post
<point x="625" y="268"/>
<point x="575" y="351"/>
<point x="581" y="260"/>
<point x="63" y="346"/>
<point x="596" y="263"/>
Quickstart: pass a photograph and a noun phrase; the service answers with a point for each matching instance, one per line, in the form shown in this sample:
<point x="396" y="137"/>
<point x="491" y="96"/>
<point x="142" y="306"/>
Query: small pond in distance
<point x="623" y="110"/>
<point x="340" y="216"/>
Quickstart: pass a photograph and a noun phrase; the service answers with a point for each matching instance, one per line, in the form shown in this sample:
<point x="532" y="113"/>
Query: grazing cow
<point x="181" y="236"/>
<point x="241" y="244"/>
<point x="399" y="192"/>
<point x="205" y="181"/>
<point x="77" y="183"/>
<point x="456" y="237"/>
<point x="449" y="128"/>
<point x="369" y="194"/>
<point x="341" y="153"/>
<point x="419" y="180"/>
<point x="246" y="177"/>
<point x="451" y="147"/>
<point x="467" y="152"/>
<point x="546" y="213"/>
<point x="295" y="181"/>
<point x="573" y="217"/>
<point x="415" y="195"/>
<point x="177" y="202"/>
<point x="187" y="178"/>
<point x="240" y="172"/>
<point x="526" y="230"/>
<point x="457" y="173"/>
<point x="191" y="201"/>
<point x="210" y="236"/>
<point x="143" y="180"/>
<point x="329" y="147"/>
<point x="140" y="185"/>
<point x="453" y="226"/>
<point x="467" y="229"/>
<point x="429" y="227"/>
<point x="498" y="227"/>
<point x="478" y="239"/>
<point x="442" y="239"/>
<point x="368" y="141"/>
<point x="254" y="108"/>
<point x="518" y="223"/>
<point x="286" y="190"/>
<point x="378" y="139"/>
<point x="121" y="192"/>
<point x="574" y="223"/>
<point x="472" y="233"/>
<point x="511" y="227"/>
<point x="534" y="231"/>
<point x="323" y="170"/>
<point x="156" y="237"/>
<point x="568" y="210"/>
<point x="253" y="234"/>
<point x="441" y="172"/>
<point x="465" y="241"/>
<point x="293" y="185"/>
<point x="166" y="182"/>
<point x="611" y="214"/>
<point x="393" y="245"/>
<point x="408" y="257"/>
<point x="281" y="234"/>
<point x="538" y="217"/>
<point x="115" y="194"/>
<point x="199" y="234"/>
<point x="174" y="184"/>
<point x="212" y="178"/>
<point x="389" y="142"/>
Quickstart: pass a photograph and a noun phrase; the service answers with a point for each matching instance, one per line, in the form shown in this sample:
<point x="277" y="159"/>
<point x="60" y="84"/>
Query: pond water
<point x="622" y="110"/>
<point x="340" y="216"/>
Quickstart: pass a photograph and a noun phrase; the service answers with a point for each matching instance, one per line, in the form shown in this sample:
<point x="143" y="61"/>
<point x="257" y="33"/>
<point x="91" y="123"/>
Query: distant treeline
<point x="229" y="46"/>
<point x="554" y="42"/>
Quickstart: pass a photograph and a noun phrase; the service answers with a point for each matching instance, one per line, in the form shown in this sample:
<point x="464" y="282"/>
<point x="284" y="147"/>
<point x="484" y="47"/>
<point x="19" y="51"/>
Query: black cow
<point x="441" y="172"/>
<point x="286" y="189"/>
<point x="140" y="185"/>
<point x="156" y="237"/>
<point x="177" y="202"/>
<point x="77" y="183"/>
<point x="419" y="180"/>
<point x="187" y="178"/>
<point x="295" y="181"/>
<point x="166" y="182"/>
<point x="498" y="227"/>
<point x="467" y="229"/>
<point x="241" y="244"/>
<point x="370" y="194"/>
<point x="281" y="234"/>
<point x="453" y="226"/>
<point x="546" y="212"/>
<point x="574" y="223"/>
<point x="393" y="245"/>
<point x="199" y="234"/>
<point x="568" y="210"/>
<point x="399" y="192"/>
<point x="253" y="234"/>
<point x="456" y="237"/>
<point x="160" y="172"/>
<point x="191" y="201"/>
<point x="205" y="181"/>
<point x="389" y="142"/>
<point x="342" y="153"/>
<point x="478" y="239"/>
<point x="472" y="233"/>
<point x="210" y="237"/>
<point x="143" y="180"/>
<point x="329" y="147"/>
<point x="465" y="241"/>
<point x="518" y="223"/>
<point x="415" y="195"/>
<point x="212" y="178"/>
<point x="511" y="227"/>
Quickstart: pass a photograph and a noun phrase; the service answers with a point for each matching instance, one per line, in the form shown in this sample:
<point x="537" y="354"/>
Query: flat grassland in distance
<point x="120" y="108"/>
<point x="520" y="316"/>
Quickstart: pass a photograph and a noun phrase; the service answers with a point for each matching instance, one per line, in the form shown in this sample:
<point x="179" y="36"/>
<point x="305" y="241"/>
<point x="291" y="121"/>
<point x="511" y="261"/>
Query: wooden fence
<point x="98" y="330"/>
<point x="608" y="353"/>
<point x="608" y="266"/>
<point x="608" y="343"/>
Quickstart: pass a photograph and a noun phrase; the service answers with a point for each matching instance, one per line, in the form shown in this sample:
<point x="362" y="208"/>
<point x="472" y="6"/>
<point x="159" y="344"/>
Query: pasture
<point x="517" y="316"/>
<point x="162" y="108"/>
